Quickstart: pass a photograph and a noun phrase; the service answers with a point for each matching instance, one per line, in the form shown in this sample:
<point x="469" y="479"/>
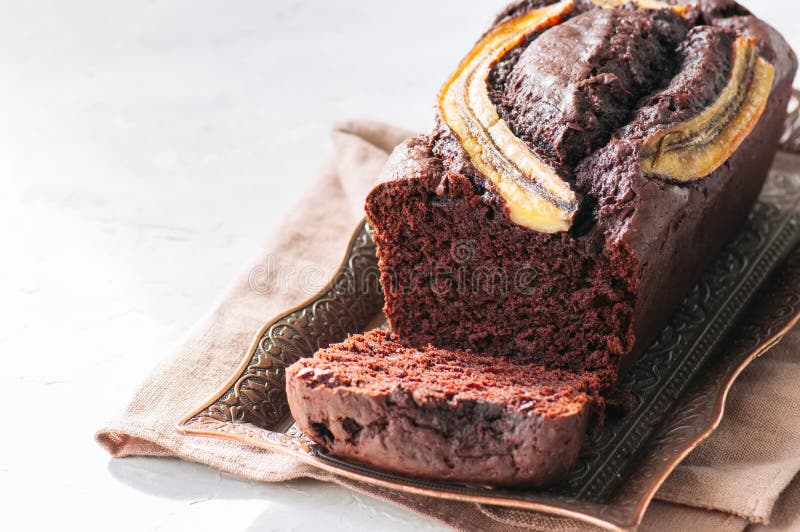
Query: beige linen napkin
<point x="734" y="479"/>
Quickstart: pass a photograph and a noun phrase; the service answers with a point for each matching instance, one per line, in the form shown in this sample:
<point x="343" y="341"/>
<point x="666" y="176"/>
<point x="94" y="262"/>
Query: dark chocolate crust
<point x="592" y="298"/>
<point x="574" y="85"/>
<point x="443" y="415"/>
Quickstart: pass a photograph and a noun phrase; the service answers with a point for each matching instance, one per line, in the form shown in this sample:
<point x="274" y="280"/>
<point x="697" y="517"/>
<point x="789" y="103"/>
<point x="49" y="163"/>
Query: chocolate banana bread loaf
<point x="589" y="160"/>
<point x="448" y="415"/>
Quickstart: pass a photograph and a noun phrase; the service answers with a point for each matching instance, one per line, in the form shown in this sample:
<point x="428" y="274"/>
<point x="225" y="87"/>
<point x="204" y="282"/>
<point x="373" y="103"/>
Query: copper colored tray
<point x="678" y="386"/>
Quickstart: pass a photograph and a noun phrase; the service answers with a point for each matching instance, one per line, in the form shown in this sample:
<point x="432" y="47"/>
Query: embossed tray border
<point x="626" y="509"/>
<point x="705" y="400"/>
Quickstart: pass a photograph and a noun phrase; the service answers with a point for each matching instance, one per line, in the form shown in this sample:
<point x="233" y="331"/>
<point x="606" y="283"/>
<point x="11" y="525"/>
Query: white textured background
<point x="145" y="148"/>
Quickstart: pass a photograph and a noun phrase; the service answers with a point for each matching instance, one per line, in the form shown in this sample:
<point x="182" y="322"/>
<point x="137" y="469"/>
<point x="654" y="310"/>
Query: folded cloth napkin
<point x="737" y="478"/>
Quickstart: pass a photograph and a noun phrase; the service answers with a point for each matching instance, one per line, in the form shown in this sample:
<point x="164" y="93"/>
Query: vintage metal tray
<point x="678" y="387"/>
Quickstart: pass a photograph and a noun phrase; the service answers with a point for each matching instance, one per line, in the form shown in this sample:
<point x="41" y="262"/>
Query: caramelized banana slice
<point x="537" y="197"/>
<point x="680" y="9"/>
<point x="693" y="149"/>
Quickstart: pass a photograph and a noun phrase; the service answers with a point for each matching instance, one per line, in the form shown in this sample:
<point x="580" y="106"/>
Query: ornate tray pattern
<point x="675" y="404"/>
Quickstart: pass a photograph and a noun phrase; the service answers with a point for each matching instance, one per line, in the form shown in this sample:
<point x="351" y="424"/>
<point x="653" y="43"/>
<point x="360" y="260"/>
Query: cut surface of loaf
<point x="448" y="415"/>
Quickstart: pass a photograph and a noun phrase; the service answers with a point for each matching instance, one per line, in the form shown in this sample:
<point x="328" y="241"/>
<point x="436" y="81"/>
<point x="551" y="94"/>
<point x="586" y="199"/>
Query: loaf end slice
<point x="443" y="415"/>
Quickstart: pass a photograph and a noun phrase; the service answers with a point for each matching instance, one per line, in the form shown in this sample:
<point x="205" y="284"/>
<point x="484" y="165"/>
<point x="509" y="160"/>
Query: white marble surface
<point x="140" y="142"/>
